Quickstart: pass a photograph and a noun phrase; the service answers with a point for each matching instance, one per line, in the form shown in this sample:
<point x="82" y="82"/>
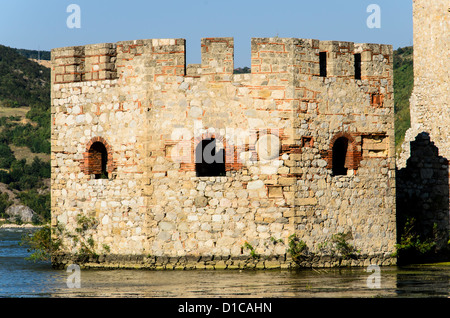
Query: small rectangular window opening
<point x="307" y="141"/>
<point x="358" y="66"/>
<point x="208" y="162"/>
<point x="340" y="149"/>
<point x="323" y="64"/>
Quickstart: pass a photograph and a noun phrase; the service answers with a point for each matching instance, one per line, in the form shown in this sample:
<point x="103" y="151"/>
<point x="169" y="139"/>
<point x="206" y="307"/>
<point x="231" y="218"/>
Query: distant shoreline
<point x="21" y="226"/>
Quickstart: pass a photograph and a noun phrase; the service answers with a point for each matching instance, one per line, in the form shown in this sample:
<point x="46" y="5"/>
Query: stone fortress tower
<point x="192" y="166"/>
<point x="423" y="176"/>
<point x="431" y="94"/>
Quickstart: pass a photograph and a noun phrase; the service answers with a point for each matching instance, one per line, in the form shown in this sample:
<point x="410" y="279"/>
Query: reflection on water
<point x="304" y="283"/>
<point x="21" y="278"/>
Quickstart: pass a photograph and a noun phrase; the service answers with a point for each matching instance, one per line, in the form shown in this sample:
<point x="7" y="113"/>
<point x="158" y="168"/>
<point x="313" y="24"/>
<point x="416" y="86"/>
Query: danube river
<point x="23" y="278"/>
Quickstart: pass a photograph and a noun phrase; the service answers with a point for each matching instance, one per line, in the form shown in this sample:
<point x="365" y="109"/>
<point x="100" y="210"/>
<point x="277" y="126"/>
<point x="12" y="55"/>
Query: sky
<point x="42" y="25"/>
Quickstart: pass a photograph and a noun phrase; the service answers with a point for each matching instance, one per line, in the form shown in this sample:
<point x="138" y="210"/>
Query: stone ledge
<point x="192" y="262"/>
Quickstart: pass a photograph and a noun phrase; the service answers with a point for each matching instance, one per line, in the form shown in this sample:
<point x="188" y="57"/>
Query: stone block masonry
<point x="187" y="166"/>
<point x="423" y="174"/>
<point x="431" y="93"/>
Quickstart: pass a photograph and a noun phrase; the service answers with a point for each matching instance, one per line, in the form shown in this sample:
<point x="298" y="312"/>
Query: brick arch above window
<point x="353" y="152"/>
<point x="90" y="164"/>
<point x="188" y="161"/>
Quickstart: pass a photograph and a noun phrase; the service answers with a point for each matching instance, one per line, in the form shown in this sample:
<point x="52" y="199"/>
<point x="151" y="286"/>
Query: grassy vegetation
<point x="415" y="247"/>
<point x="22" y="82"/>
<point x="297" y="248"/>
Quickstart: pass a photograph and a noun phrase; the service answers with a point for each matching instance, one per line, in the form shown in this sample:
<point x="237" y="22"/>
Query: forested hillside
<point x="403" y="85"/>
<point x="24" y="133"/>
<point x="34" y="54"/>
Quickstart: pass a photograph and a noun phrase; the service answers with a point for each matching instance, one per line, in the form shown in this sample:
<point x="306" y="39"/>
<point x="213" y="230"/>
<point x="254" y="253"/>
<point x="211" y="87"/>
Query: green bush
<point x="23" y="176"/>
<point x="34" y="137"/>
<point x="297" y="248"/>
<point x="4" y="204"/>
<point x="40" y="244"/>
<point x="248" y="246"/>
<point x="338" y="245"/>
<point x="412" y="246"/>
<point x="6" y="156"/>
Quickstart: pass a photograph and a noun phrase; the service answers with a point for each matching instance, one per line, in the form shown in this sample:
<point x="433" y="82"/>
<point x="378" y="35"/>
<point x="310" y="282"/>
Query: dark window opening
<point x="358" y="66"/>
<point x="208" y="163"/>
<point x="340" y="148"/>
<point x="307" y="141"/>
<point x="323" y="64"/>
<point x="98" y="160"/>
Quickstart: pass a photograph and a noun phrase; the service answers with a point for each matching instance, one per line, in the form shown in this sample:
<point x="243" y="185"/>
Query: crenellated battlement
<point x="276" y="55"/>
<point x="217" y="57"/>
<point x="268" y="56"/>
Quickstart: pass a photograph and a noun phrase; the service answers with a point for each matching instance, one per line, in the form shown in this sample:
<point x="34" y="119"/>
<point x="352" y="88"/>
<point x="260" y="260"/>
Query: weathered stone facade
<point x="430" y="96"/>
<point x="304" y="145"/>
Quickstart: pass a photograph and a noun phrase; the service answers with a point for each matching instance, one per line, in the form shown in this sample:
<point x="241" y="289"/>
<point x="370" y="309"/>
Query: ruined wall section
<point x="293" y="192"/>
<point x="98" y="96"/>
<point x="422" y="176"/>
<point x="197" y="216"/>
<point x="431" y="93"/>
<point x="362" y="202"/>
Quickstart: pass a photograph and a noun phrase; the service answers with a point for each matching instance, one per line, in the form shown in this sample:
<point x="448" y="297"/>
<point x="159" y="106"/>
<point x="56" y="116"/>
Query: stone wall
<point x="86" y="109"/>
<point x="216" y="262"/>
<point x="431" y="93"/>
<point x="422" y="178"/>
<point x="278" y="128"/>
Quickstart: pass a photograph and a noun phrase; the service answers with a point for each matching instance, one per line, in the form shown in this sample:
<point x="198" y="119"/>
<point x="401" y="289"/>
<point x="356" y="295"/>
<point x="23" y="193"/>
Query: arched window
<point x="98" y="160"/>
<point x="340" y="148"/>
<point x="208" y="163"/>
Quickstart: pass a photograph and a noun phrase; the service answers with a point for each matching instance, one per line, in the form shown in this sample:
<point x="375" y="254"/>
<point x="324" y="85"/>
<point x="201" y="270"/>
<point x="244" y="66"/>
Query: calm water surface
<point x="22" y="278"/>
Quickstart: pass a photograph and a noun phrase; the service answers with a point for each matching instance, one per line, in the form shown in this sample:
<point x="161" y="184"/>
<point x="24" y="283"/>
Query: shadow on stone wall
<point x="423" y="204"/>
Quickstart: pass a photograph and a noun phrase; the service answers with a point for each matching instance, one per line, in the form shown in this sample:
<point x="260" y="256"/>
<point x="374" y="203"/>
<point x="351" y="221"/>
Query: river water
<point x="24" y="278"/>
